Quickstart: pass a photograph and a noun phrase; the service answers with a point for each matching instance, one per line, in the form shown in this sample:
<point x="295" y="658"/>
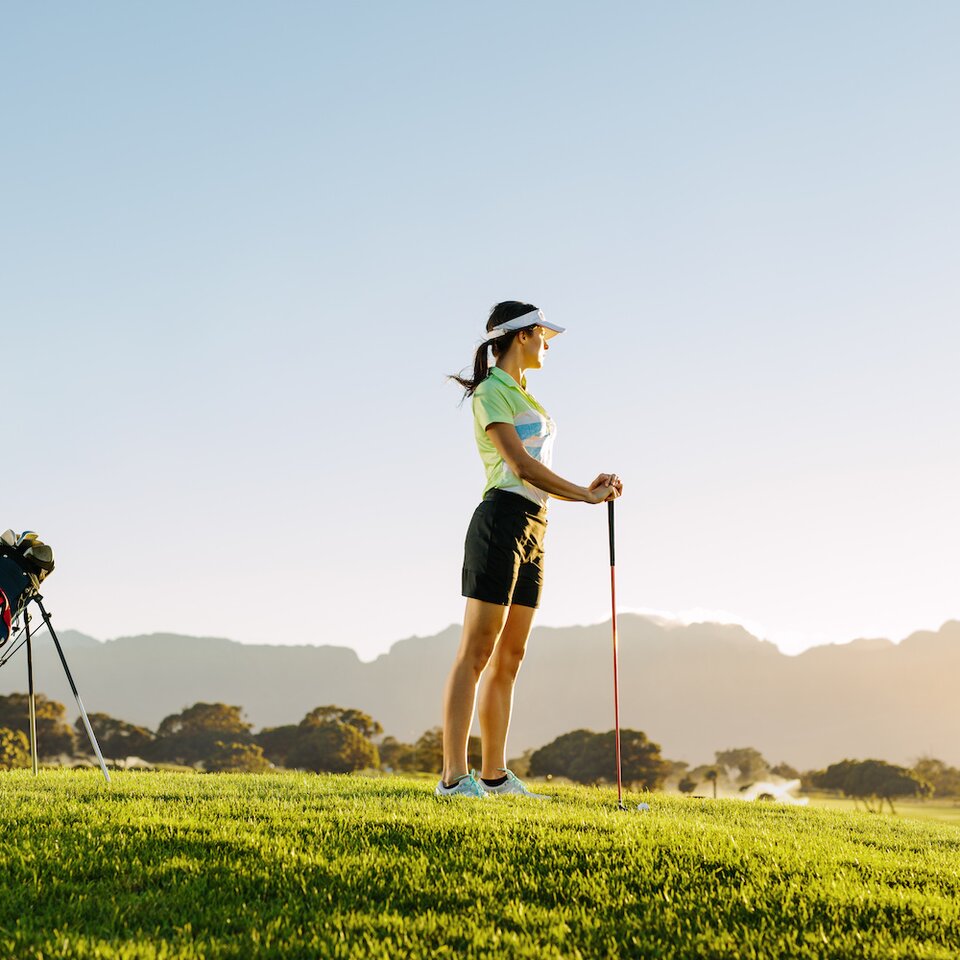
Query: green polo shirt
<point x="500" y="399"/>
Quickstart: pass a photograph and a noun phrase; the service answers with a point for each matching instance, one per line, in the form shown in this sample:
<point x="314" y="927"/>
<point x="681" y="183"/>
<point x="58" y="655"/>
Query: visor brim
<point x="550" y="329"/>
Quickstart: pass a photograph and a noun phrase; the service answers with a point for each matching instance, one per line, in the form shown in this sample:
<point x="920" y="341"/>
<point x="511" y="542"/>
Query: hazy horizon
<point x="656" y="617"/>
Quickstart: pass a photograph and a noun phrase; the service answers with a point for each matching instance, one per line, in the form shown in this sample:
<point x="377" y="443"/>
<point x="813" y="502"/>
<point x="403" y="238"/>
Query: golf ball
<point x="643" y="807"/>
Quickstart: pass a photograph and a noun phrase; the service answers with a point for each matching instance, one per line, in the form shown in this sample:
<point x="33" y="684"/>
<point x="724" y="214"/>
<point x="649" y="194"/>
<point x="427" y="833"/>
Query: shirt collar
<point x="505" y="377"/>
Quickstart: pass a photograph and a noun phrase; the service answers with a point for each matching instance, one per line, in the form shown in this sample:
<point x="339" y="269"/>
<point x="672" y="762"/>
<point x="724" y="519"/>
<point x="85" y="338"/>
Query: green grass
<point x="940" y="811"/>
<point x="183" y="865"/>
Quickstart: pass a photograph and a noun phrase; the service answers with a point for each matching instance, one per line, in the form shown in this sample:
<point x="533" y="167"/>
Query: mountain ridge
<point x="693" y="688"/>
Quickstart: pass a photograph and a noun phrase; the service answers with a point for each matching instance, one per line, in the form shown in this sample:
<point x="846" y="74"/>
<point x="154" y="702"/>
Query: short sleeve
<point x="491" y="405"/>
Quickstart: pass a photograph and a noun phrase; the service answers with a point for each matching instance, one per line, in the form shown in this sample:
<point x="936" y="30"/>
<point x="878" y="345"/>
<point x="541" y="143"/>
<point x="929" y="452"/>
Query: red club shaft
<point x="616" y="678"/>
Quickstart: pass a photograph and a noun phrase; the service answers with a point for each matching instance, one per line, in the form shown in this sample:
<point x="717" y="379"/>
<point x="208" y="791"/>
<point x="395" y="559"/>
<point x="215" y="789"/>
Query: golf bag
<point x="24" y="562"/>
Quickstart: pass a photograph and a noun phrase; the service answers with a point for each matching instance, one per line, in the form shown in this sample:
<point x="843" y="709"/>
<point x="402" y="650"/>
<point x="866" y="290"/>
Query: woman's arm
<point x="507" y="441"/>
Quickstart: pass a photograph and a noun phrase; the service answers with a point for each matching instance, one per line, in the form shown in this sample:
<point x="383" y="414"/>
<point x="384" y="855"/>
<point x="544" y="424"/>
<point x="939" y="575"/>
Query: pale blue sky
<point x="241" y="244"/>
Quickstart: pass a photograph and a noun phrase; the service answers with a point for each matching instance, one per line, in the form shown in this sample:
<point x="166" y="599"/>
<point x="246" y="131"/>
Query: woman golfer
<point x="503" y="553"/>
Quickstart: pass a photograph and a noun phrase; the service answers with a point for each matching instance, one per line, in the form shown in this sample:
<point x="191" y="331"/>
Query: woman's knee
<point x="477" y="651"/>
<point x="508" y="659"/>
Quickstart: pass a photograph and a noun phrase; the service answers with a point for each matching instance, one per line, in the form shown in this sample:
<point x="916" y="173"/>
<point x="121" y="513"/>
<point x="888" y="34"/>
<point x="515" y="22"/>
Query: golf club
<point x="616" y="679"/>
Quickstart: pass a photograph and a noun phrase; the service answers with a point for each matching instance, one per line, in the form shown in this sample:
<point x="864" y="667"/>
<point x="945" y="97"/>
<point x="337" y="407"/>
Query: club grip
<point x="610" y="527"/>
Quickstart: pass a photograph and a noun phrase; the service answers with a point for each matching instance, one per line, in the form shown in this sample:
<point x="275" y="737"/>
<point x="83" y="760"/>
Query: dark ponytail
<point x="501" y="313"/>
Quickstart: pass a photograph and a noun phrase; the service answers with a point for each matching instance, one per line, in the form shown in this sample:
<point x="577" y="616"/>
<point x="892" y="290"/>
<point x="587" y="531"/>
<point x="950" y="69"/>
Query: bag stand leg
<point x="31" y="697"/>
<point x="38" y="600"/>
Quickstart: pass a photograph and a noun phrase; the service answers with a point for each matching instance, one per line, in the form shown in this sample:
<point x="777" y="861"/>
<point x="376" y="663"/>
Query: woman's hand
<point x="601" y="494"/>
<point x="607" y="484"/>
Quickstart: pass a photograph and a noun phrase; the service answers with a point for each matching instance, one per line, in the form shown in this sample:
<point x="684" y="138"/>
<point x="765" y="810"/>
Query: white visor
<point x="526" y="320"/>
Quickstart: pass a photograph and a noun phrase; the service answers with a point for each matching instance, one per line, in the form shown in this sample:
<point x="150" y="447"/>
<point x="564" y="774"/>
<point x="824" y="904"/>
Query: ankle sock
<point x="494" y="783"/>
<point x="450" y="786"/>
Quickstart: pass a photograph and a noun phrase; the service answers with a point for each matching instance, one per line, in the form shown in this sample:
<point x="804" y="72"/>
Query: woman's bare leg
<point x="482" y="624"/>
<point x="496" y="691"/>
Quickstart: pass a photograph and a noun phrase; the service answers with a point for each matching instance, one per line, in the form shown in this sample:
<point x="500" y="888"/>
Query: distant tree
<point x="396" y="756"/>
<point x="428" y="752"/>
<point x="236" y="758"/>
<point x="878" y="780"/>
<point x="117" y="738"/>
<point x="871" y="782"/>
<point x="361" y="721"/>
<point x="277" y="742"/>
<point x="743" y="764"/>
<point x="332" y="747"/>
<point x="190" y="736"/>
<point x="54" y="735"/>
<point x="809" y="780"/>
<point x="332" y="739"/>
<point x="557" y="758"/>
<point x="943" y="779"/>
<point x="641" y="765"/>
<point x="687" y="785"/>
<point x="14" y="749"/>
<point x="588" y="757"/>
<point x="785" y="771"/>
<point x="203" y="717"/>
<point x="835" y="777"/>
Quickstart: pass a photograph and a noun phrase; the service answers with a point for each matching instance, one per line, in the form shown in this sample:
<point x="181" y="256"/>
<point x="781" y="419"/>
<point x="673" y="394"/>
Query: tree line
<point x="332" y="739"/>
<point x="870" y="782"/>
<point x="216" y="738"/>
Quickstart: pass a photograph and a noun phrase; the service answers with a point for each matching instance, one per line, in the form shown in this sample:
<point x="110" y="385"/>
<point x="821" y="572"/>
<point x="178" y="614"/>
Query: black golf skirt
<point x="503" y="552"/>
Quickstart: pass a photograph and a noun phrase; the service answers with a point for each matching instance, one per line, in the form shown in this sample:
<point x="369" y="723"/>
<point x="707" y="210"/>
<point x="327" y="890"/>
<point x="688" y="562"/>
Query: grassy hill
<point x="161" y="865"/>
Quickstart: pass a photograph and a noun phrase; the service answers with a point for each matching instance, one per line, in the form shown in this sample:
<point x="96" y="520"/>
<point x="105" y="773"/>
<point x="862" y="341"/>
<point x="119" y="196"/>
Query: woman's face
<point x="534" y="345"/>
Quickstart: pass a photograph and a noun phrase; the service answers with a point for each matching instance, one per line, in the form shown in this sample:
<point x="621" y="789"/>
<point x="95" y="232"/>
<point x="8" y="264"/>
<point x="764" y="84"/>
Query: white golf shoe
<point x="513" y="786"/>
<point x="465" y="787"/>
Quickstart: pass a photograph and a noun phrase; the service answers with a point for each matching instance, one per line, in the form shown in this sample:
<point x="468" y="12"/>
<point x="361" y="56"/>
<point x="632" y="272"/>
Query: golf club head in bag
<point x="24" y="563"/>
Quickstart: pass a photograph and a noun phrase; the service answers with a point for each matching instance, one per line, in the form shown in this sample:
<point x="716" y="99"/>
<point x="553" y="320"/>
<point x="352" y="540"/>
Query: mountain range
<point x="693" y="688"/>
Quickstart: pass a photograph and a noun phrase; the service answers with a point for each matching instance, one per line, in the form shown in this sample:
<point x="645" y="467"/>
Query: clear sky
<point x="242" y="243"/>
